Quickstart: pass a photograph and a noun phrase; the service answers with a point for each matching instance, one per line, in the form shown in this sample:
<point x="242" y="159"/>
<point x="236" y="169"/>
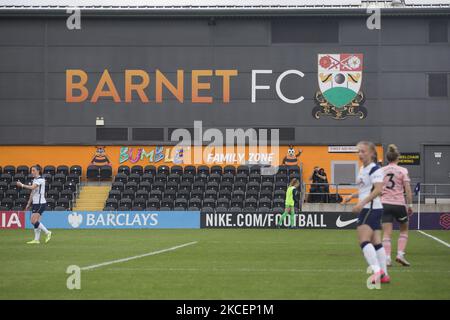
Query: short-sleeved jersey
<point x="395" y="179"/>
<point x="290" y="196"/>
<point x="367" y="177"/>
<point x="39" y="193"/>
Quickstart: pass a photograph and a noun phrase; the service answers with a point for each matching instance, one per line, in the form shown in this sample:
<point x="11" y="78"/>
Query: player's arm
<point x="32" y="187"/>
<point x="351" y="196"/>
<point x="376" y="192"/>
<point x="408" y="197"/>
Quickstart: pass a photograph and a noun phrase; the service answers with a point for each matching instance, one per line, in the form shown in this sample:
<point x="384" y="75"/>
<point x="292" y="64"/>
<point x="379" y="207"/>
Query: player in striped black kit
<point x="37" y="203"/>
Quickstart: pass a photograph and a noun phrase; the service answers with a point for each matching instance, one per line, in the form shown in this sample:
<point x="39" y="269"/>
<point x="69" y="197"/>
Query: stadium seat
<point x="212" y="186"/>
<point x="165" y="208"/>
<point x="216" y="170"/>
<point x="62" y="170"/>
<point x="63" y="202"/>
<point x="161" y="177"/>
<point x="201" y="178"/>
<point x="228" y="177"/>
<point x="223" y="202"/>
<point x="109" y="208"/>
<point x="11" y="170"/>
<point x="48" y="178"/>
<point x="266" y="194"/>
<point x="156" y="194"/>
<point x="265" y="202"/>
<point x="3" y="186"/>
<point x="112" y="203"/>
<point x="198" y="185"/>
<point x="128" y="194"/>
<point x="11" y="194"/>
<point x="74" y="178"/>
<point x="174" y="177"/>
<point x="123" y="208"/>
<point x="172" y="186"/>
<point x="13" y="186"/>
<point x="195" y="202"/>
<point x="142" y="194"/>
<point x="226" y="186"/>
<point x="68" y="194"/>
<point x="198" y="194"/>
<point x="279" y="194"/>
<point x="207" y="209"/>
<point x="239" y="186"/>
<point x="105" y="172"/>
<point x="249" y="210"/>
<point x="59" y="177"/>
<point x="256" y="169"/>
<point x="134" y="177"/>
<point x="268" y="186"/>
<point x="23" y="170"/>
<point x="139" y="202"/>
<point x="150" y="170"/>
<point x="187" y="178"/>
<point x="52" y="194"/>
<point x="225" y="194"/>
<point x="293" y="170"/>
<point x="118" y="185"/>
<point x="158" y="185"/>
<point x="193" y="208"/>
<point x="70" y="186"/>
<point x="147" y="177"/>
<point x="137" y="208"/>
<point x="280" y="186"/>
<point x="163" y="169"/>
<point x="229" y="170"/>
<point x="190" y="170"/>
<point x="236" y="202"/>
<point x="76" y="169"/>
<point x="215" y="177"/>
<point x="239" y="194"/>
<point x="93" y="172"/>
<point x="56" y="186"/>
<point x="241" y="177"/>
<point x="278" y="210"/>
<point x="167" y="202"/>
<point x="266" y="178"/>
<point x="181" y="203"/>
<point x="17" y="208"/>
<point x="179" y="208"/>
<point x="235" y="210"/>
<point x="209" y="203"/>
<point x="51" y="170"/>
<point x="221" y="209"/>
<point x="282" y="169"/>
<point x="6" y="177"/>
<point x="280" y="177"/>
<point x="3" y="208"/>
<point x="176" y="170"/>
<point x="253" y="186"/>
<point x="24" y="193"/>
<point x="183" y="194"/>
<point x="203" y="170"/>
<point x="278" y="203"/>
<point x="115" y="194"/>
<point x="121" y="177"/>
<point x="123" y="169"/>
<point x="131" y="186"/>
<point x="264" y="210"/>
<point x="137" y="169"/>
<point x="125" y="203"/>
<point x="153" y="204"/>
<point x="51" y="203"/>
<point x="20" y="202"/>
<point x="210" y="194"/>
<point x="170" y="193"/>
<point x="243" y="169"/>
<point x="250" y="203"/>
<point x="59" y="208"/>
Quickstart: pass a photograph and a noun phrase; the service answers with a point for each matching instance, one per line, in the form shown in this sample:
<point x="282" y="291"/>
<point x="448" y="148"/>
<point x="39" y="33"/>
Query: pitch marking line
<point x="94" y="266"/>
<point x="434" y="238"/>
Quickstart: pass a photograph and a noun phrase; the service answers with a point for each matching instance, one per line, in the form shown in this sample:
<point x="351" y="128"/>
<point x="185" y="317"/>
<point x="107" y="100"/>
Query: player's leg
<point x="284" y="215"/>
<point x="37" y="232"/>
<point x="387" y="236"/>
<point x="364" y="237"/>
<point x="292" y="217"/>
<point x="381" y="255"/>
<point x="401" y="245"/>
<point x="42" y="208"/>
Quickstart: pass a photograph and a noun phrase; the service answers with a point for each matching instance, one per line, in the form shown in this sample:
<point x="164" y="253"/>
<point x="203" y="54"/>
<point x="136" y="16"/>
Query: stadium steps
<point x="92" y="198"/>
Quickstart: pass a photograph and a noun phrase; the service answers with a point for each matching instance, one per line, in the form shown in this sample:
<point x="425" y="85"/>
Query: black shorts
<point x="39" y="208"/>
<point x="371" y="217"/>
<point x="397" y="212"/>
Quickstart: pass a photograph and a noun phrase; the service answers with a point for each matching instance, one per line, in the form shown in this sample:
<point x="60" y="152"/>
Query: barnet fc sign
<point x="340" y="78"/>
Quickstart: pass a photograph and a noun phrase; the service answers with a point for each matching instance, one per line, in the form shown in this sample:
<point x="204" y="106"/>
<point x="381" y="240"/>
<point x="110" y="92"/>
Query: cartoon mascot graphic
<point x="100" y="157"/>
<point x="292" y="158"/>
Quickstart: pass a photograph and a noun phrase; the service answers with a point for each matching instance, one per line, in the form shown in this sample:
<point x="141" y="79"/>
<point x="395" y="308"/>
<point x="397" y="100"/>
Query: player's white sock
<point x="381" y="256"/>
<point x="371" y="256"/>
<point x="43" y="228"/>
<point x="37" y="234"/>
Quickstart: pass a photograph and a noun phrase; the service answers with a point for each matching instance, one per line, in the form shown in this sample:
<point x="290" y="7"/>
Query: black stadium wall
<point x="406" y="79"/>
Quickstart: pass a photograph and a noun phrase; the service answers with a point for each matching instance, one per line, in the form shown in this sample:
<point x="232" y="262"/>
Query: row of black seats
<point x="57" y="185"/>
<point x="202" y="170"/>
<point x="20" y="204"/>
<point x="52" y="170"/>
<point x="155" y="203"/>
<point x="218" y="210"/>
<point x="200" y="194"/>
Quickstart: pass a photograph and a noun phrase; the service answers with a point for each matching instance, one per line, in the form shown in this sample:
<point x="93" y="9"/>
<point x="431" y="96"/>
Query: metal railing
<point x="432" y="191"/>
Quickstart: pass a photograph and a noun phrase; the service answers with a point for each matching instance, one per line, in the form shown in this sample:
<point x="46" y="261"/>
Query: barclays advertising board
<point x="120" y="220"/>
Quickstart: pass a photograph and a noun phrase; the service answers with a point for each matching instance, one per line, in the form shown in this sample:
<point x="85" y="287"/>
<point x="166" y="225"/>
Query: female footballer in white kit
<point x="37" y="203"/>
<point x="370" y="209"/>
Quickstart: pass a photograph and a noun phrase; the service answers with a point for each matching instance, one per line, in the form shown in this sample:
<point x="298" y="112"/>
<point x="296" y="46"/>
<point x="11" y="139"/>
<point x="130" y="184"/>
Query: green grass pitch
<point x="224" y="264"/>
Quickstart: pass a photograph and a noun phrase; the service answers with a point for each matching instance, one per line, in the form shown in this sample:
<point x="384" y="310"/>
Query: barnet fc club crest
<point x="340" y="77"/>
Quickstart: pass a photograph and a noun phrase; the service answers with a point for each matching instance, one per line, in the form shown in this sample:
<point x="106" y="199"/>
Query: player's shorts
<point x="392" y="211"/>
<point x="289" y="205"/>
<point x="371" y="217"/>
<point x="39" y="208"/>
